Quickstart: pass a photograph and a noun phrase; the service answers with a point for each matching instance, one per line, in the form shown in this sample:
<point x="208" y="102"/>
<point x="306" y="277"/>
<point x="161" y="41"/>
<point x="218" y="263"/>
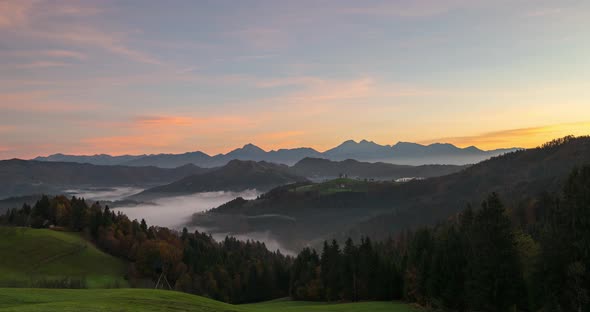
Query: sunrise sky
<point x="173" y="76"/>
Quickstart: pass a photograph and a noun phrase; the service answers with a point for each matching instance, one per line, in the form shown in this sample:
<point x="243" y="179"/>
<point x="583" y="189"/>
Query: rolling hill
<point x="323" y="168"/>
<point x="36" y="256"/>
<point x="237" y="175"/>
<point x="299" y="214"/>
<point x="33" y="256"/>
<point x="49" y="300"/>
<point x="25" y="177"/>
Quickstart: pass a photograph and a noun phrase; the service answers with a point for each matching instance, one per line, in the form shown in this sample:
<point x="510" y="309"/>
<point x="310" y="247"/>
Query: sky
<point x="135" y="77"/>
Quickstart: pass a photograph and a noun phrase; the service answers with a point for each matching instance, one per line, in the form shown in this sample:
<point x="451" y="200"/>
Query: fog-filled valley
<point x="296" y="156"/>
<point x="176" y="212"/>
<point x="104" y="193"/>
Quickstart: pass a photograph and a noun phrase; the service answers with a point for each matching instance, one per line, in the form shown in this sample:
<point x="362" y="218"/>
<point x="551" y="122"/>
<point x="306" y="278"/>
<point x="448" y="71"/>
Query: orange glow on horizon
<point x="524" y="137"/>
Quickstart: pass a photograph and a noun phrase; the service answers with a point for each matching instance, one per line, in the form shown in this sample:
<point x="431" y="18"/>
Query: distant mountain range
<point x="401" y="153"/>
<point x="300" y="215"/>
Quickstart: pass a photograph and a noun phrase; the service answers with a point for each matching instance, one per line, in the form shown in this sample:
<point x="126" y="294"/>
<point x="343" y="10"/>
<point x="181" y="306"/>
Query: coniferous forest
<point x="493" y="258"/>
<point x="534" y="256"/>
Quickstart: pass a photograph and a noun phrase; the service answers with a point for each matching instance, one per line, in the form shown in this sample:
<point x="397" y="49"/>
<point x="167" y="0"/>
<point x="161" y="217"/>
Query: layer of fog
<point x="103" y="193"/>
<point x="176" y="212"/>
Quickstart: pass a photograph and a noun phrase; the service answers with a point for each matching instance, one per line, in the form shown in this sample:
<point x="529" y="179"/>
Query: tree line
<point x="231" y="270"/>
<point x="531" y="256"/>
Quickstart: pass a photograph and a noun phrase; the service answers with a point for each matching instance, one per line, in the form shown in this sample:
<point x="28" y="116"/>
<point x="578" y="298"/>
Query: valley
<point x="296" y="156"/>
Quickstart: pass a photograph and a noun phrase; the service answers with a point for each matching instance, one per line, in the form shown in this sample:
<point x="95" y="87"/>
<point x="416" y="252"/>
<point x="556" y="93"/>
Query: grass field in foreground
<point x="28" y="255"/>
<point x="74" y="300"/>
<point x="303" y="306"/>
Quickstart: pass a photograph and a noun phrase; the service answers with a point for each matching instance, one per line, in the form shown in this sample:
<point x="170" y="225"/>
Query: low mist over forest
<point x="258" y="155"/>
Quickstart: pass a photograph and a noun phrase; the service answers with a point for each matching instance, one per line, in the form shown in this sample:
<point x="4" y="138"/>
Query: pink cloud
<point x="86" y="36"/>
<point x="40" y="102"/>
<point x="19" y="13"/>
<point x="128" y="144"/>
<point x="79" y="9"/>
<point x="43" y="21"/>
<point x="165" y="133"/>
<point x="14" y="13"/>
<point x="47" y="53"/>
<point x="5" y="149"/>
<point x="5" y="128"/>
<point x="42" y="64"/>
<point x="166" y="121"/>
<point x="65" y="54"/>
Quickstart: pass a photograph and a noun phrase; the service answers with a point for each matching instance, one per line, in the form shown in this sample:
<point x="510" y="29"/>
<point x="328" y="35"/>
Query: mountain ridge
<point x="405" y="153"/>
<point x="236" y="175"/>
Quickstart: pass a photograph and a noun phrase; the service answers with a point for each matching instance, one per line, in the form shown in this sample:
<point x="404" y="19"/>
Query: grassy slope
<point x="27" y="254"/>
<point x="32" y="300"/>
<point x="45" y="254"/>
<point x="46" y="300"/>
<point x="303" y="306"/>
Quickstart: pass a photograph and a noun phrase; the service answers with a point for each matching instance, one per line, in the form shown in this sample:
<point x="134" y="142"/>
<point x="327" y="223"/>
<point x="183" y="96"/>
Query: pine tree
<point x="350" y="268"/>
<point x="494" y="277"/>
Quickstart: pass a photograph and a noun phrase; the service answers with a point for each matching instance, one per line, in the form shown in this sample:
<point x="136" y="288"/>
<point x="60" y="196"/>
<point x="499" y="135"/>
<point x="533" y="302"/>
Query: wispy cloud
<point x="92" y="37"/>
<point x="43" y="21"/>
<point x="41" y="102"/>
<point x="155" y="121"/>
<point x="15" y="13"/>
<point x="165" y="133"/>
<point x="56" y="54"/>
<point x="65" y="54"/>
<point x="544" y="12"/>
<point x="42" y="64"/>
<point x="416" y="8"/>
<point x="522" y="137"/>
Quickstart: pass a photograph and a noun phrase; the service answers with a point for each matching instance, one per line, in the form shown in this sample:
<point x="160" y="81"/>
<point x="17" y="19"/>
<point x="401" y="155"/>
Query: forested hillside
<point x="237" y="175"/>
<point x="533" y="257"/>
<point x="496" y="257"/>
<point x="305" y="213"/>
<point x="324" y="168"/>
<point x="231" y="270"/>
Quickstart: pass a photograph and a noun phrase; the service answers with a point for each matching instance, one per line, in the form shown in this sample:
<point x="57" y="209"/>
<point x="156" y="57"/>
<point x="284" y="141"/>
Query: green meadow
<point x="31" y="257"/>
<point x="74" y="300"/>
